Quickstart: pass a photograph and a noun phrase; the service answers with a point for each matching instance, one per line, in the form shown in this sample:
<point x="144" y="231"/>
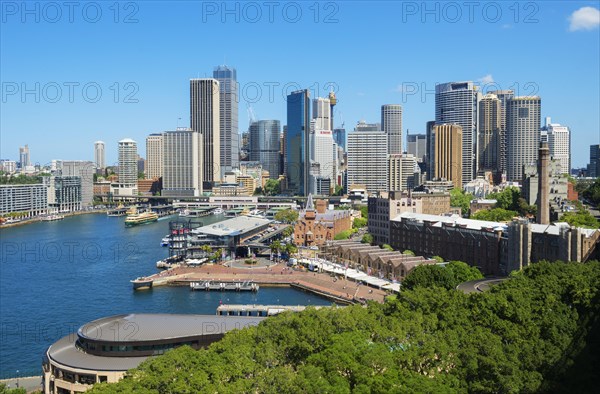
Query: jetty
<point x="209" y="285"/>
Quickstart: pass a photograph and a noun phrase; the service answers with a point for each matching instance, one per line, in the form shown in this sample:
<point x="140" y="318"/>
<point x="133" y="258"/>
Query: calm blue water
<point x="56" y="276"/>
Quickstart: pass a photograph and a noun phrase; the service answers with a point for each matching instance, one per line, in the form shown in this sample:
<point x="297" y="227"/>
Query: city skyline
<point x="161" y="102"/>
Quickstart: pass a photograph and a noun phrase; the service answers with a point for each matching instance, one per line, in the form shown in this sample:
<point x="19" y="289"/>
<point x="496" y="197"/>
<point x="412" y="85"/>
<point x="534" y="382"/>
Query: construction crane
<point x="251" y="116"/>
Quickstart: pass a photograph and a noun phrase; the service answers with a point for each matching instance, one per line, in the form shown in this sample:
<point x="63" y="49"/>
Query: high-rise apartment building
<point x="403" y="172"/>
<point x="447" y="152"/>
<point x="488" y="146"/>
<point x="503" y="96"/>
<point x="24" y="159"/>
<point x="154" y="156"/>
<point x="182" y="163"/>
<point x="297" y="136"/>
<point x="128" y="168"/>
<point x="559" y="143"/>
<point x="265" y="145"/>
<point x="522" y="134"/>
<point x="99" y="155"/>
<point x="367" y="160"/>
<point x="416" y="145"/>
<point x="82" y="169"/>
<point x="228" y="119"/>
<point x="205" y="118"/>
<point x="391" y="124"/>
<point x="456" y="103"/>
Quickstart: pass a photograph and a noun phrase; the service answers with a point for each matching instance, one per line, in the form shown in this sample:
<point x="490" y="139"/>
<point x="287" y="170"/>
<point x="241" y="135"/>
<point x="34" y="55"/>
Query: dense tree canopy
<point x="592" y="193"/>
<point x="462" y="200"/>
<point x="581" y="218"/>
<point x="447" y="276"/>
<point x="522" y="336"/>
<point x="494" y="215"/>
<point x="510" y="199"/>
<point x="287" y="216"/>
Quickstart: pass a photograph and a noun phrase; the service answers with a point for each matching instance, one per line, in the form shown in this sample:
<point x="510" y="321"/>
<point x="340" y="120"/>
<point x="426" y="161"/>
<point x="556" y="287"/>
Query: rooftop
<point x="235" y="226"/>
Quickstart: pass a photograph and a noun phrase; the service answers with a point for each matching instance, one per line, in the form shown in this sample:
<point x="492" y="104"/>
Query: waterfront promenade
<point x="336" y="288"/>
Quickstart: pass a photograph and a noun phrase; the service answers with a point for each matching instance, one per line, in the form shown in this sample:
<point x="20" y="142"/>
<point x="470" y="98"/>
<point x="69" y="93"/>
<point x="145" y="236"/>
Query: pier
<point x="334" y="287"/>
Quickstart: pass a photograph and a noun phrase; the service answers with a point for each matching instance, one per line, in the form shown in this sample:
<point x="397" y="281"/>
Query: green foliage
<point x="448" y="276"/>
<point x="250" y="261"/>
<point x="494" y="215"/>
<point x="20" y="179"/>
<point x="522" y="336"/>
<point x="367" y="239"/>
<point x="287" y="216"/>
<point x="343" y="235"/>
<point x="258" y="191"/>
<point x="339" y="191"/>
<point x="581" y="218"/>
<point x="364" y="211"/>
<point x="272" y="187"/>
<point x="592" y="192"/>
<point x="409" y="252"/>
<point x="438" y="259"/>
<point x="510" y="199"/>
<point x="287" y="231"/>
<point x="359" y="222"/>
<point x="458" y="198"/>
<point x="387" y="247"/>
<point x="5" y="390"/>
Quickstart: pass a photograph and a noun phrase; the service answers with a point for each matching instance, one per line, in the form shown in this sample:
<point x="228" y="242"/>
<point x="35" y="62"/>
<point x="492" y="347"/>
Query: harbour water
<point x="56" y="276"/>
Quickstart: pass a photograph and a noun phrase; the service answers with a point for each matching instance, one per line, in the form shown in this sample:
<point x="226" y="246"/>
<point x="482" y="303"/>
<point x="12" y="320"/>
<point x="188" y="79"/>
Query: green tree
<point x="258" y="191"/>
<point x="359" y="222"/>
<point x="581" y="219"/>
<point x="364" y="211"/>
<point x="409" y="252"/>
<point x="272" y="187"/>
<point x="287" y="216"/>
<point x="387" y="247"/>
<point x="343" y="235"/>
<point x="462" y="200"/>
<point x="339" y="191"/>
<point x="494" y="215"/>
<point x="367" y="239"/>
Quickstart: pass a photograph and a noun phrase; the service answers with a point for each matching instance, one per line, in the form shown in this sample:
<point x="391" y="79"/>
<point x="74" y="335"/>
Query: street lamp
<point x="17" y="378"/>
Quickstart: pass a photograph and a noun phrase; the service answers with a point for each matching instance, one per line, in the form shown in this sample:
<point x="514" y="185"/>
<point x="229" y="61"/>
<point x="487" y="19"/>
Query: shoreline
<point x="38" y="219"/>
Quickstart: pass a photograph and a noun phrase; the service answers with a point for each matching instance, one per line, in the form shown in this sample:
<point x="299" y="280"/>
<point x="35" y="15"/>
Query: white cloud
<point x="487" y="79"/>
<point x="585" y="18"/>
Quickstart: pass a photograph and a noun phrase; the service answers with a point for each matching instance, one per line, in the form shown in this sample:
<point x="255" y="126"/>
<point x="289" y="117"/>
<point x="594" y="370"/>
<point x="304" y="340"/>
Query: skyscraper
<point x="82" y="169"/>
<point x="182" y="163"/>
<point x="228" y="103"/>
<point x="322" y="153"/>
<point x="447" y="143"/>
<point x="265" y="145"/>
<point x="594" y="166"/>
<point x="416" y="145"/>
<point x="298" y="142"/>
<point x="24" y="159"/>
<point x="456" y="102"/>
<point x="391" y="124"/>
<point x="503" y="96"/>
<point x="430" y="149"/>
<point x="522" y="134"/>
<point x="367" y="159"/>
<point x="205" y="119"/>
<point x="154" y="156"/>
<point x="489" y="133"/>
<point x="128" y="169"/>
<point x="559" y="143"/>
<point x="322" y="113"/>
<point x="339" y="136"/>
<point x="99" y="155"/>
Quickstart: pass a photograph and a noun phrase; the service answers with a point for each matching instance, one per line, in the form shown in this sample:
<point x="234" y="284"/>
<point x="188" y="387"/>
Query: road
<point x="479" y="285"/>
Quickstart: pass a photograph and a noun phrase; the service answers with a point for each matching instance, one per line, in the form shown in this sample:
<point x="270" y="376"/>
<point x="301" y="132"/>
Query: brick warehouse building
<point x="317" y="226"/>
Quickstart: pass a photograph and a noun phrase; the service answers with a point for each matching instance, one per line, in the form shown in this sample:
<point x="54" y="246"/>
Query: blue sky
<point x="371" y="53"/>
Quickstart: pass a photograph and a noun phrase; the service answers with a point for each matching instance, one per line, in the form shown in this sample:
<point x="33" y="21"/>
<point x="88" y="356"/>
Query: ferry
<point x="225" y="286"/>
<point x="135" y="218"/>
<point x="165" y="241"/>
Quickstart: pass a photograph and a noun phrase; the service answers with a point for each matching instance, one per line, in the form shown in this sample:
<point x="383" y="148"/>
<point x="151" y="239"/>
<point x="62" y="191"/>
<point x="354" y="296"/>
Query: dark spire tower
<point x="543" y="197"/>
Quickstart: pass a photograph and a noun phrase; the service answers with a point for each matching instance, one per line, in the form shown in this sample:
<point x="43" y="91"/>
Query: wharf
<point x="335" y="288"/>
